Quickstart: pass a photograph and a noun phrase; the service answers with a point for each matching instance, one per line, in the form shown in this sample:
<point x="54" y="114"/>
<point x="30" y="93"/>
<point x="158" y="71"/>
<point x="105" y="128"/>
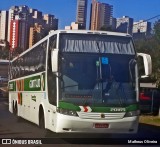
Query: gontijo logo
<point x="36" y="83"/>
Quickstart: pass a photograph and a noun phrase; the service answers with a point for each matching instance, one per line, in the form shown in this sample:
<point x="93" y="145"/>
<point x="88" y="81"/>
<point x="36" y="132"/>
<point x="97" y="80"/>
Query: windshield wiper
<point x="69" y="86"/>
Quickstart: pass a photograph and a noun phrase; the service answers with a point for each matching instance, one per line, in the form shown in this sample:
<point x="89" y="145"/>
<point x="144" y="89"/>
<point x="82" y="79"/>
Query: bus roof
<point x="89" y="32"/>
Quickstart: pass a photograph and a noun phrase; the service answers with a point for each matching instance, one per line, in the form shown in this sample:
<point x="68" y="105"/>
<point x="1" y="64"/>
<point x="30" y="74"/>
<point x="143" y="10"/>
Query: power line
<point x="148" y="19"/>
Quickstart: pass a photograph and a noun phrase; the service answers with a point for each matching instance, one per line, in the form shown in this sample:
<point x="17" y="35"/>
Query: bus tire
<point x="41" y="118"/>
<point x="13" y="107"/>
<point x="18" y="118"/>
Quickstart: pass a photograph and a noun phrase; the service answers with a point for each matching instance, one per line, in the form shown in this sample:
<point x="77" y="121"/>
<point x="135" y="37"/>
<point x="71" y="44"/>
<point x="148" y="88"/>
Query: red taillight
<point x="143" y="97"/>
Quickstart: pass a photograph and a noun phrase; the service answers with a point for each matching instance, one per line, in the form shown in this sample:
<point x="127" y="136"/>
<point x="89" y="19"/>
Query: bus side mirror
<point x="54" y="60"/>
<point x="145" y="65"/>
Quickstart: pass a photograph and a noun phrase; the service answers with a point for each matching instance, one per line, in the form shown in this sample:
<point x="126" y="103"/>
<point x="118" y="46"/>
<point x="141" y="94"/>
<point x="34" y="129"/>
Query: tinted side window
<point x="32" y="62"/>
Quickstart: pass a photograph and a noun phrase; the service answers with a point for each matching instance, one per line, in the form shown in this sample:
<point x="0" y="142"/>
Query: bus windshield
<point x="95" y="79"/>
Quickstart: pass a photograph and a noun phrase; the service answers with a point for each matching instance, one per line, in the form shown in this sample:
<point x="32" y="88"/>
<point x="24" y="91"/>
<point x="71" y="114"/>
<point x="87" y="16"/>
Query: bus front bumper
<point x="65" y="123"/>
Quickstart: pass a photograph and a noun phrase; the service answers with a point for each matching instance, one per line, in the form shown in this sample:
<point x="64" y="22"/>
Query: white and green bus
<point x="78" y="81"/>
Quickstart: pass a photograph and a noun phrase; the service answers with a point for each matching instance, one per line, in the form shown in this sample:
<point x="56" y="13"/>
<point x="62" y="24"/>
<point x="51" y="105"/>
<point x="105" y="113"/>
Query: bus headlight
<point x="67" y="112"/>
<point x="132" y="113"/>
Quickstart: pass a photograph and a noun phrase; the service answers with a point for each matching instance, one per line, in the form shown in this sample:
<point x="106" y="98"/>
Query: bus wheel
<point x="41" y="119"/>
<point x="13" y="107"/>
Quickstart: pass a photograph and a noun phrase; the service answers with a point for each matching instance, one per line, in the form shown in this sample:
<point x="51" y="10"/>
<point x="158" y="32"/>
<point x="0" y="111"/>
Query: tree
<point x="152" y="46"/>
<point x="157" y="29"/>
<point x="16" y="51"/>
<point x="4" y="50"/>
<point x="105" y="28"/>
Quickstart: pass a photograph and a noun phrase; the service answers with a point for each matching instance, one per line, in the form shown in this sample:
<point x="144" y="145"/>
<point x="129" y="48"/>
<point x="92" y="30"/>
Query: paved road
<point x="11" y="127"/>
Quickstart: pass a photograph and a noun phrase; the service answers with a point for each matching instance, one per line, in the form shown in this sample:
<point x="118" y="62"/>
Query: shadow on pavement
<point x="145" y="132"/>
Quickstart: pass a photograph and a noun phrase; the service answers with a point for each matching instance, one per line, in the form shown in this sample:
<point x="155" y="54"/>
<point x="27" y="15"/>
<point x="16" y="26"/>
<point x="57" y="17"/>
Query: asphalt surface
<point x="14" y="128"/>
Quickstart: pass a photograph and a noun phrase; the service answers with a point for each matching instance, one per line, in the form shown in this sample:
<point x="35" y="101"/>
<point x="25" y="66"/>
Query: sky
<point x="65" y="10"/>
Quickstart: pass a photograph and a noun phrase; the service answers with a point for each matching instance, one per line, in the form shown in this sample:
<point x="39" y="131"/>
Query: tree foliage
<point x="152" y="46"/>
<point x="105" y="28"/>
<point x="16" y="51"/>
<point x="157" y="30"/>
<point x="4" y="51"/>
<point x="7" y="53"/>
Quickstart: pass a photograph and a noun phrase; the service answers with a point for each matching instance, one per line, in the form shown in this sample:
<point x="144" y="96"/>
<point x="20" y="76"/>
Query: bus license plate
<point x="101" y="125"/>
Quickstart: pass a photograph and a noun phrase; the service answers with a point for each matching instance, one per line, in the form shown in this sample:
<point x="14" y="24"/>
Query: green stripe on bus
<point x="35" y="83"/>
<point x="12" y="86"/>
<point x="32" y="83"/>
<point x="132" y="107"/>
<point x="70" y="106"/>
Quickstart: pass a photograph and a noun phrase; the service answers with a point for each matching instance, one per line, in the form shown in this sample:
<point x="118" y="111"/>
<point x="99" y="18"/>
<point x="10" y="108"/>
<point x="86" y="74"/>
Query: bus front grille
<point x="106" y="116"/>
